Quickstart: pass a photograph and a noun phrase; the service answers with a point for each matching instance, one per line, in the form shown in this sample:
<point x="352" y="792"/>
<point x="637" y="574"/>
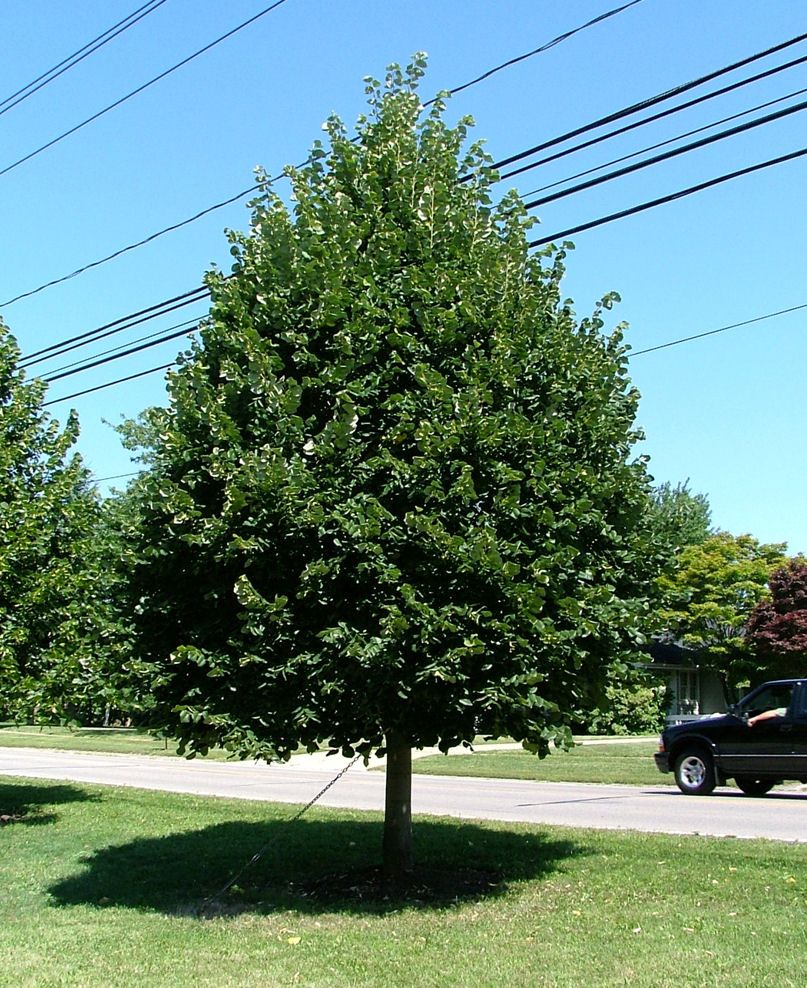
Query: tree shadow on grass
<point x="25" y="802"/>
<point x="310" y="866"/>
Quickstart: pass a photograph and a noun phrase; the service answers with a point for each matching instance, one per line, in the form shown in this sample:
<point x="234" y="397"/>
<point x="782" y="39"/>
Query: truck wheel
<point x="695" y="772"/>
<point x="752" y="786"/>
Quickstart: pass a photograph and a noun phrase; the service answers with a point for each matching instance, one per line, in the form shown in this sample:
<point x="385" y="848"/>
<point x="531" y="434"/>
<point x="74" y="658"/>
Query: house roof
<point x="670" y="653"/>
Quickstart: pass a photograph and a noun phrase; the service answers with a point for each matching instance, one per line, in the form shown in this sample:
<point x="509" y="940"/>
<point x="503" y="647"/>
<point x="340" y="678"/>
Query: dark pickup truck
<point x="705" y="753"/>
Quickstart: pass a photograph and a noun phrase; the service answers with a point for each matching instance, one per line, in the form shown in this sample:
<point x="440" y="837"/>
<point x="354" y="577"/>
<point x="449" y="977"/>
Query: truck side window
<point x="778" y="696"/>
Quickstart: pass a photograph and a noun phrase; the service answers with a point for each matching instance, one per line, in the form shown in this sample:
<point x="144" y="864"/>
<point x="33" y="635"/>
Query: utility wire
<point x="255" y="188"/>
<point x="637" y="353"/>
<point x="667" y="155"/>
<point x="141" y="339"/>
<point x="647" y="103"/>
<point x="189" y="298"/>
<point x="685" y="192"/>
<point x="722" y="329"/>
<point x="134" y="246"/>
<point x="90" y="48"/>
<point x="669" y="198"/>
<point x="117" y="476"/>
<point x="140" y="89"/>
<point x="50" y="378"/>
<point x="159" y="309"/>
<point x="661" y="144"/>
<point x="537" y="51"/>
<point x="152" y="312"/>
<point x="571" y="178"/>
<point x="653" y="117"/>
<point x="109" y="384"/>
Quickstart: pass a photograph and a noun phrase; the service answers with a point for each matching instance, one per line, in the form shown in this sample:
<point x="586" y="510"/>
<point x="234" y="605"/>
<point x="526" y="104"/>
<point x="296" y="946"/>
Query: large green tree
<point x="53" y="601"/>
<point x="393" y="502"/>
<point x="709" y="596"/>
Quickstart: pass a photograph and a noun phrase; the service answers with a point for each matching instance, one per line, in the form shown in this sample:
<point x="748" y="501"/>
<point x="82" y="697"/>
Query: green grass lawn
<point x="101" y="886"/>
<point x="122" y="740"/>
<point x="119" y="740"/>
<point x="628" y="763"/>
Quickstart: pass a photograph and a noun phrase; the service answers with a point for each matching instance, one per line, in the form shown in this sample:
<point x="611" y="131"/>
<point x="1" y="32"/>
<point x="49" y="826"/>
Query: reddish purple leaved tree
<point x="777" y="628"/>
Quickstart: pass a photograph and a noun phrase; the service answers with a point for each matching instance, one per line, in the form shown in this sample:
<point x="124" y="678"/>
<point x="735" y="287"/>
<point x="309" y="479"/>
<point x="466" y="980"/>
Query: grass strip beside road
<point x="111" y="740"/>
<point x="124" y="740"/>
<point x="623" y="763"/>
<point x="100" y="886"/>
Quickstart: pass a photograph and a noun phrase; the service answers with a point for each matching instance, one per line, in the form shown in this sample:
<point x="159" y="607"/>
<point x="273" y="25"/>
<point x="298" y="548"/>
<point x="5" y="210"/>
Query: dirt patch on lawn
<point x="424" y="885"/>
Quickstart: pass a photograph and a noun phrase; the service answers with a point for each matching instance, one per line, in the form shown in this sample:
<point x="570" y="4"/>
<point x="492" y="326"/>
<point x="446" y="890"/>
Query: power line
<point x="537" y="51"/>
<point x="779" y="160"/>
<point x="134" y="246"/>
<point x="654" y="117"/>
<point x="722" y="329"/>
<point x="117" y="476"/>
<point x="667" y="155"/>
<point x="96" y="334"/>
<point x="108" y="384"/>
<point x="150" y="336"/>
<point x="50" y="378"/>
<point x="85" y="51"/>
<point x="637" y="353"/>
<point x="140" y="89"/>
<point x="254" y="188"/>
<point x="661" y="144"/>
<point x="647" y="103"/>
<point x="116" y="326"/>
<point x="195" y="295"/>
<point x="669" y="198"/>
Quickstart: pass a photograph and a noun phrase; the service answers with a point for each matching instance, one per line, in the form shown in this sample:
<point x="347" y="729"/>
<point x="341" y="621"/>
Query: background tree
<point x="709" y="596"/>
<point x="392" y="503"/>
<point x="635" y="701"/>
<point x="678" y="517"/>
<point x="53" y="602"/>
<point x="777" y="627"/>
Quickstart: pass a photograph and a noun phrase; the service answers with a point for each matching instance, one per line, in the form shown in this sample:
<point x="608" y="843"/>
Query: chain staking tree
<point x="393" y="503"/>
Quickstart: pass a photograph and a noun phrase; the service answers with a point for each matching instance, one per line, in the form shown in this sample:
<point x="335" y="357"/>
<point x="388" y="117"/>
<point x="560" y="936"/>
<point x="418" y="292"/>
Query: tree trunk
<point x="398" y="859"/>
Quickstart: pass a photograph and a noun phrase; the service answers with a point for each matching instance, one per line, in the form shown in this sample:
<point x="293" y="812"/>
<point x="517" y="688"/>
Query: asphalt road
<point x="782" y="815"/>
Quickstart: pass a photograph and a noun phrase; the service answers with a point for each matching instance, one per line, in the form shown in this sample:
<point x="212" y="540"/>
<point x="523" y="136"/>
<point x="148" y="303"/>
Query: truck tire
<point x="695" y="772"/>
<point x="753" y="786"/>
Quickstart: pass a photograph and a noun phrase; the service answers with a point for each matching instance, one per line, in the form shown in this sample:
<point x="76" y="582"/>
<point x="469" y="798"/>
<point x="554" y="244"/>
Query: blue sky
<point x="725" y="412"/>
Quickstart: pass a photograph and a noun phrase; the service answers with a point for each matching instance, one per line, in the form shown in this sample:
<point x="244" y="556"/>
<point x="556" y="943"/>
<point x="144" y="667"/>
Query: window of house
<point x="687" y="692"/>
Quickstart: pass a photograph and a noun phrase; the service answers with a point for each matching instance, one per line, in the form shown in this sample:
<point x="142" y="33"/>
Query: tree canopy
<point x="777" y="627"/>
<point x="709" y="596"/>
<point x="52" y="596"/>
<point x="393" y="502"/>
<point x="678" y="517"/>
